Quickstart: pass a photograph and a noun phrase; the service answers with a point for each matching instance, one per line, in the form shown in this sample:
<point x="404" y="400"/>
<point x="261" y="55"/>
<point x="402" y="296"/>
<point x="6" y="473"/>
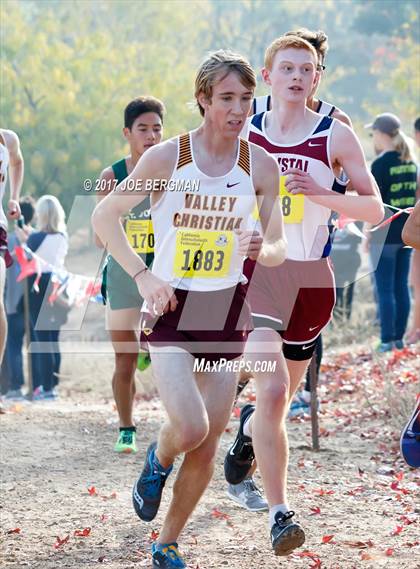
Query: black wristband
<point x="139" y="273"/>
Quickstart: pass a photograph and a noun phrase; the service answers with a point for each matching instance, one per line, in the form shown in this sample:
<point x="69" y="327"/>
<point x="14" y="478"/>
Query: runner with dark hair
<point x="143" y="128"/>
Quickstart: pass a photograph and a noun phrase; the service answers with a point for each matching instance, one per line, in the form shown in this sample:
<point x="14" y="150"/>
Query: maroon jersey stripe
<point x="315" y="148"/>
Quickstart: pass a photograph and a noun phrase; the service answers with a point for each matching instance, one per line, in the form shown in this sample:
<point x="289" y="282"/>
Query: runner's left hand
<point x="13" y="209"/>
<point x="299" y="182"/>
<point x="249" y="243"/>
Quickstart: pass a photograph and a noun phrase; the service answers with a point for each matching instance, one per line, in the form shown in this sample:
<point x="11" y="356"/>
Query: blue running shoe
<point x="147" y="491"/>
<point x="166" y="556"/>
<point x="410" y="438"/>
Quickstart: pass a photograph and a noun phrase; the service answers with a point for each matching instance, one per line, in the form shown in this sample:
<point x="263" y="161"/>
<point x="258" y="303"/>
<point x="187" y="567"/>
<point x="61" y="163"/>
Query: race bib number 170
<point x="140" y="235"/>
<point x="204" y="254"/>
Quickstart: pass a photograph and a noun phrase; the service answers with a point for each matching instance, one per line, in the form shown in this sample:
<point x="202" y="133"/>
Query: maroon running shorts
<point x="210" y="325"/>
<point x="295" y="298"/>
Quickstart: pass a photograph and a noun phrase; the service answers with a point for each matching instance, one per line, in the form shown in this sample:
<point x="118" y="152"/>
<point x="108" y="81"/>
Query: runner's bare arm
<point x="155" y="164"/>
<point x="342" y="116"/>
<point x="266" y="180"/>
<point x="108" y="176"/>
<point x="411" y="230"/>
<point x="347" y="151"/>
<point x="16" y="170"/>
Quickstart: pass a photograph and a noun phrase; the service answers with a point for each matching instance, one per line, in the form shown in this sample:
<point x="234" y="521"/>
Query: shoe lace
<point x="174" y="553"/>
<point x="126" y="437"/>
<point x="281" y="517"/>
<point x="246" y="452"/>
<point x="152" y="483"/>
<point x="252" y="487"/>
<point x="171" y="551"/>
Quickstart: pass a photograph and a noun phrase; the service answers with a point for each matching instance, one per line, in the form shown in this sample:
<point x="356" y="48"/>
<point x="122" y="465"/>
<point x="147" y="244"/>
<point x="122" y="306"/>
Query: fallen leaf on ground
<point x="322" y="492"/>
<point x="154" y="535"/>
<point x="406" y="520"/>
<point x="60" y="542"/>
<point x="359" y="544"/>
<point x="315" y="511"/>
<point x="215" y="513"/>
<point x="82" y="532"/>
<point x="389" y="552"/>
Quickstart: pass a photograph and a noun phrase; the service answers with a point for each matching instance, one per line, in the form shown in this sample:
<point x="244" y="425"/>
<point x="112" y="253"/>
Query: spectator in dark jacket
<point x="395" y="172"/>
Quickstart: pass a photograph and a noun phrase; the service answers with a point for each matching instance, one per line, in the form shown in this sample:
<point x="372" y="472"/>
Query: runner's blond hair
<point x="216" y="67"/>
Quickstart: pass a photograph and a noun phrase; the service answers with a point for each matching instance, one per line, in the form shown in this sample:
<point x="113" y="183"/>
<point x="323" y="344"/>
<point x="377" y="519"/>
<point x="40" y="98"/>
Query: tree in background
<point x="69" y="68"/>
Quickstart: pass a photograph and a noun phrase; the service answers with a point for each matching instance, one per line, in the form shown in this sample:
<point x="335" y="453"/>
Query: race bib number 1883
<point x="204" y="254"/>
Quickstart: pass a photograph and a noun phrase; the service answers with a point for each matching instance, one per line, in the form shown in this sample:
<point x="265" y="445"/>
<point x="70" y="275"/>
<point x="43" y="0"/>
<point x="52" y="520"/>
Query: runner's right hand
<point x="158" y="294"/>
<point x="249" y="243"/>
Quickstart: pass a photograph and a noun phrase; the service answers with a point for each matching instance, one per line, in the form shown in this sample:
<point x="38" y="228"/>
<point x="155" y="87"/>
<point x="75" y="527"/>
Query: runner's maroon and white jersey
<point x="310" y="237"/>
<point x="263" y="103"/>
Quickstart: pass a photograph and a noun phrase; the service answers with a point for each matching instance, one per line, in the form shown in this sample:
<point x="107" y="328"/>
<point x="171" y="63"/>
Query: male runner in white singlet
<point x="10" y="159"/>
<point x="194" y="295"/>
<point x="294" y="302"/>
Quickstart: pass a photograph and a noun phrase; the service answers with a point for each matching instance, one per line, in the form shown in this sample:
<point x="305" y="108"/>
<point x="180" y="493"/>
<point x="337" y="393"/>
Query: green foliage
<point x="68" y="68"/>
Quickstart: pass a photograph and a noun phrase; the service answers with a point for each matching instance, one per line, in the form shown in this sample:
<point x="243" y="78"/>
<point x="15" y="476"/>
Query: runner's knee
<point x="125" y="364"/>
<point x="191" y="436"/>
<point x="205" y="454"/>
<point x="273" y="396"/>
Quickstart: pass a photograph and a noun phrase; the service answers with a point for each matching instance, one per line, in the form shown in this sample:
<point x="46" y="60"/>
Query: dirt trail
<point x="357" y="489"/>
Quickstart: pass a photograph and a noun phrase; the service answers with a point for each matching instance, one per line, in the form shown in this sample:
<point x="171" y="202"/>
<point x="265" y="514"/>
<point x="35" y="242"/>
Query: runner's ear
<point x="265" y="73"/>
<point x="204" y="101"/>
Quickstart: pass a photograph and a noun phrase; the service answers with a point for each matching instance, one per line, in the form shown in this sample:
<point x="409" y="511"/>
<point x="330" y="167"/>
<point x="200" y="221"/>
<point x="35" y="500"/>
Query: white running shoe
<point x="247" y="495"/>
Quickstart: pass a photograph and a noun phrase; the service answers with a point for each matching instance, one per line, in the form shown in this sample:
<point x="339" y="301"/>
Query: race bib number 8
<point x="292" y="206"/>
<point x="140" y="235"/>
<point x="204" y="254"/>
